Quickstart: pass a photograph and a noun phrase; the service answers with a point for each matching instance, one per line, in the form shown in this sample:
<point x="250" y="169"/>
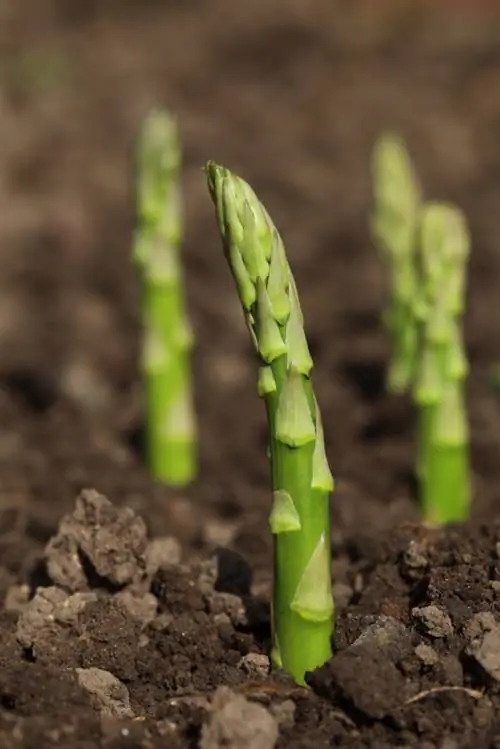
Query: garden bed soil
<point x="134" y="616"/>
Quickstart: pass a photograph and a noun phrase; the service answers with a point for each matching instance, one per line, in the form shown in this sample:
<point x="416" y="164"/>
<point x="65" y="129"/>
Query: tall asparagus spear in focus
<point x="394" y="224"/>
<point x="171" y="432"/>
<point x="439" y="386"/>
<point x="301" y="479"/>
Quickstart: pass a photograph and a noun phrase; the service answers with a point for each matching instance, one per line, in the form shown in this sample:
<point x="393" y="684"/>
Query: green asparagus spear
<point x="301" y="480"/>
<point x="171" y="431"/>
<point x="439" y="386"/>
<point x="394" y="224"/>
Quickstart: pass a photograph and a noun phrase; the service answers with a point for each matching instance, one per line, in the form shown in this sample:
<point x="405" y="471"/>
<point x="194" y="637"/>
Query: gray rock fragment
<point x="38" y="615"/>
<point x="374" y="654"/>
<point x="433" y="621"/>
<point x="48" y="609"/>
<point x="483" y="633"/>
<point x="208" y="576"/>
<point x="385" y="635"/>
<point x="480" y="623"/>
<point x="141" y="607"/>
<point x="229" y="604"/>
<point x="16" y="598"/>
<point x="284" y="712"/>
<point x="342" y="594"/>
<point x="107" y="693"/>
<point x="236" y="723"/>
<point x="415" y="556"/>
<point x="255" y="664"/>
<point x="426" y="655"/>
<point x="68" y="611"/>
<point x="111" y="540"/>
<point x="162" y="552"/>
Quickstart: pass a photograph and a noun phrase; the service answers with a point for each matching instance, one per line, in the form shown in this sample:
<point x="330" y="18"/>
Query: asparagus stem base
<point x="172" y="459"/>
<point x="171" y="432"/>
<point x="445" y="485"/>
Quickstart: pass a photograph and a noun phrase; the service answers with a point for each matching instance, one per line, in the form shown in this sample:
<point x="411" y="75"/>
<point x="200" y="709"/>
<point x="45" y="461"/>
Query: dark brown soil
<point x="110" y="639"/>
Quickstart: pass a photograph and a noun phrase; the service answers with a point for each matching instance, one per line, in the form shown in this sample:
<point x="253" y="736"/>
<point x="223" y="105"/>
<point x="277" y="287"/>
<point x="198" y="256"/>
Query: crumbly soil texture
<point x="134" y="616"/>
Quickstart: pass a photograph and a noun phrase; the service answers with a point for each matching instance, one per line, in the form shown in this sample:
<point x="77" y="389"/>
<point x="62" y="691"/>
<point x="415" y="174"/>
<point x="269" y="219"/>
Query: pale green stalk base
<point x="445" y="486"/>
<point x="303" y="614"/>
<point x="445" y="492"/>
<point x="170" y="424"/>
<point x="300" y="644"/>
<point x="171" y="461"/>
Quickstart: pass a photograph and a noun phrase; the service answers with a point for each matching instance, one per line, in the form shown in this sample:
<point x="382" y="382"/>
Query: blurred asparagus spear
<point x="301" y="479"/>
<point x="171" y="431"/>
<point x="439" y="385"/>
<point x="394" y="226"/>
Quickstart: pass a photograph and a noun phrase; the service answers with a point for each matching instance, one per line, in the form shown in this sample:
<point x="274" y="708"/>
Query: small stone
<point x="68" y="611"/>
<point x="108" y="694"/>
<point x="227" y="603"/>
<point x="284" y="712"/>
<point x="433" y="620"/>
<point x="16" y="598"/>
<point x="484" y="645"/>
<point x="39" y="614"/>
<point x="415" y="556"/>
<point x="222" y="620"/>
<point x="237" y="723"/>
<point x="162" y="552"/>
<point x="342" y="594"/>
<point x="143" y="608"/>
<point x="482" y="622"/>
<point x="219" y="533"/>
<point x="162" y="621"/>
<point x="255" y="664"/>
<point x="426" y="654"/>
<point x="208" y="576"/>
<point x="385" y="635"/>
<point x="111" y="540"/>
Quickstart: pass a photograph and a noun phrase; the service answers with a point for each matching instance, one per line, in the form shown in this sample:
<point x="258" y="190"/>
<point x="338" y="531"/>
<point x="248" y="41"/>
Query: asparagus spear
<point x="394" y="223"/>
<point x="439" y="386"/>
<point x="171" y="431"/>
<point x="301" y="479"/>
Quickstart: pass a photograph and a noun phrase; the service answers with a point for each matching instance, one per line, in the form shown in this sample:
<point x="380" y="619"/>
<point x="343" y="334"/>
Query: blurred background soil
<point x="291" y="95"/>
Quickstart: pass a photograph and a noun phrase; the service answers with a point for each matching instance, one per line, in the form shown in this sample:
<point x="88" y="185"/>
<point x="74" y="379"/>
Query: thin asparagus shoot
<point x="303" y="610"/>
<point x="166" y="360"/>
<point x="394" y="225"/>
<point x="444" y="473"/>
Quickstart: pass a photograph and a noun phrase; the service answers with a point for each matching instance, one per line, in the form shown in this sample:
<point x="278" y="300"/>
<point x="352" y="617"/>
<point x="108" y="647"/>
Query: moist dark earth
<point x="137" y="617"/>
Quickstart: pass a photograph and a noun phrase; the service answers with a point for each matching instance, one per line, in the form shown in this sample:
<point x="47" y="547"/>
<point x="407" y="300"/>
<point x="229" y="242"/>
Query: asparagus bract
<point x="301" y="479"/>
<point x="170" y="428"/>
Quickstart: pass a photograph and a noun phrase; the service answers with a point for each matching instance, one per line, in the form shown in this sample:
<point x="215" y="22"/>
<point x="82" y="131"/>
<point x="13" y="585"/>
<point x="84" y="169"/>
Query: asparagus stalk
<point x="394" y="224"/>
<point x="170" y="428"/>
<point x="439" y="385"/>
<point x="301" y="479"/>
